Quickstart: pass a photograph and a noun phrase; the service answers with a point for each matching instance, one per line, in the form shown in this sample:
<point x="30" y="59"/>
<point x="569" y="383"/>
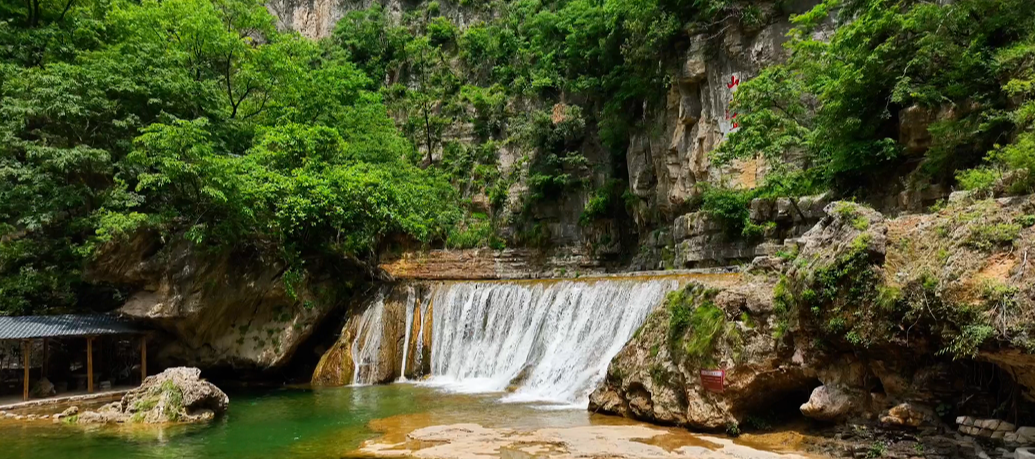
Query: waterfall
<point x="419" y="358"/>
<point x="545" y="341"/>
<point x="536" y="340"/>
<point x="366" y="348"/>
<point x="409" y="324"/>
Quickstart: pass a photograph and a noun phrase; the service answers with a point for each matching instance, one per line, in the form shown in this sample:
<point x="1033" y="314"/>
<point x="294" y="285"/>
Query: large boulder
<point x="656" y="377"/>
<point x="220" y="308"/>
<point x="174" y="395"/>
<point x="830" y="404"/>
<point x="873" y="319"/>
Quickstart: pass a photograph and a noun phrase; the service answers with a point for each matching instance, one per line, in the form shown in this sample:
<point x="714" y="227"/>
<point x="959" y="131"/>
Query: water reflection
<point x="289" y="423"/>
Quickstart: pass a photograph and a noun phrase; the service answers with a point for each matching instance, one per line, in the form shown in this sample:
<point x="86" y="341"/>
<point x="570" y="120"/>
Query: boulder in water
<point x="175" y="395"/>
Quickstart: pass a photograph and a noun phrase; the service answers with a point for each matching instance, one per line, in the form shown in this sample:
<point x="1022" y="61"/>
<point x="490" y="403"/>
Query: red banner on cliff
<point x="713" y="380"/>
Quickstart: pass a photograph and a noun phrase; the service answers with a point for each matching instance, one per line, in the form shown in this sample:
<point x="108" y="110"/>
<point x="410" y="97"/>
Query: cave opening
<point x="781" y="410"/>
<point x="987" y="390"/>
<point x="877" y="386"/>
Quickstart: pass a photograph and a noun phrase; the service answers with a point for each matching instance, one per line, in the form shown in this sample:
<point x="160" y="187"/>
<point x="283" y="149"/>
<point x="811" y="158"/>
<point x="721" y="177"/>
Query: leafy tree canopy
<point x="195" y="118"/>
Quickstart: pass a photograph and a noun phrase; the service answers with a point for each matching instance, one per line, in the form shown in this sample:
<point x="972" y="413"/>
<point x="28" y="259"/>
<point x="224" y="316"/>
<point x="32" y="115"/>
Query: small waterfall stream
<point x="537" y="340"/>
<point x="419" y="356"/>
<point x="366" y="348"/>
<point x="409" y="324"/>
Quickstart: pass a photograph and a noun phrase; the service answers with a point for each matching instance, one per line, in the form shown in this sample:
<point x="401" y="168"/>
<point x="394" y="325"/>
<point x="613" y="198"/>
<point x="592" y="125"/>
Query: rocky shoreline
<point x="868" y="325"/>
<point x="881" y="329"/>
<point x="176" y="395"/>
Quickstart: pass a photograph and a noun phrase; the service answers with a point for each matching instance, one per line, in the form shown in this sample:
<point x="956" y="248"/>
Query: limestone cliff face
<point x="316" y="19"/>
<point x="313" y="19"/>
<point x="219" y="310"/>
<point x="873" y="318"/>
<point x="667" y="159"/>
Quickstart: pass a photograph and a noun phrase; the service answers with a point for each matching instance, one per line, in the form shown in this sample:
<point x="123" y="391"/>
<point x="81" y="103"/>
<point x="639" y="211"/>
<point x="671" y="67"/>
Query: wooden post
<point x="46" y="358"/>
<point x="89" y="364"/>
<point x="143" y="358"/>
<point x="26" y="350"/>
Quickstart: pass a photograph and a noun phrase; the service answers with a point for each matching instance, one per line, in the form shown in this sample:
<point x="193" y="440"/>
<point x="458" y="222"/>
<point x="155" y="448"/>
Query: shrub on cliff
<point x="948" y="280"/>
<point x="840" y="98"/>
<point x="696" y="325"/>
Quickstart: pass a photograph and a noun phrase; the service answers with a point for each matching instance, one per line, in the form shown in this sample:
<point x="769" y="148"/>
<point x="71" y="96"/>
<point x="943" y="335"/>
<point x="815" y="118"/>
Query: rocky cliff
<point x="906" y="322"/>
<point x="219" y="309"/>
<point x="667" y="162"/>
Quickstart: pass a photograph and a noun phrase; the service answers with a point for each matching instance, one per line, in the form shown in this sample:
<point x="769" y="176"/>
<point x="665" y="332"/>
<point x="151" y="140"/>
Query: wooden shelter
<point x="26" y="329"/>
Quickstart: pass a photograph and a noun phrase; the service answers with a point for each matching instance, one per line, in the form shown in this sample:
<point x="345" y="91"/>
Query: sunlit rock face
<point x="486" y="264"/>
<point x="473" y="441"/>
<point x="218" y="310"/>
<point x="388" y="338"/>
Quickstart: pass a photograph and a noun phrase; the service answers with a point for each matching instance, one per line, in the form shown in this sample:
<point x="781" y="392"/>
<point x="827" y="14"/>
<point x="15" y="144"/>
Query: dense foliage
<point x="551" y="81"/>
<point x="198" y="119"/>
<point x="193" y="118"/>
<point x="841" y="99"/>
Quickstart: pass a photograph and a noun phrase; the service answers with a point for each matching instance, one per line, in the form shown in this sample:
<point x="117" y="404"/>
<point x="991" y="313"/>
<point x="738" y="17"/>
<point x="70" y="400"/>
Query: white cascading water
<point x="409" y="324"/>
<point x="367" y="345"/>
<point x="419" y="357"/>
<point x="558" y="336"/>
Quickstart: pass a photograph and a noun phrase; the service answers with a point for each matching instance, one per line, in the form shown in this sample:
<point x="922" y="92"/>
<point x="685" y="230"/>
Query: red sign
<point x="732" y="118"/>
<point x="734" y="82"/>
<point x="713" y="380"/>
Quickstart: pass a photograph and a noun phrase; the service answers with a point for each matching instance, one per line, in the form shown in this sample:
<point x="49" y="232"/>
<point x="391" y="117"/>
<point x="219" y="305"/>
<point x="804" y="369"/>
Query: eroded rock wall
<point x="906" y="322"/>
<point x="668" y="161"/>
<point x="217" y="309"/>
<point x="374" y="345"/>
<point x="654" y="379"/>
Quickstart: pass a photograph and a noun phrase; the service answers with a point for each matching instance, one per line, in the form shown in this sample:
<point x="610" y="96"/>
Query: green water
<point x="287" y="423"/>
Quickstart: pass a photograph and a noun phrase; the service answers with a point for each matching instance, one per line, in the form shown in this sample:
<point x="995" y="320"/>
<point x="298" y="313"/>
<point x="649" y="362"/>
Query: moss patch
<point x="695" y="323"/>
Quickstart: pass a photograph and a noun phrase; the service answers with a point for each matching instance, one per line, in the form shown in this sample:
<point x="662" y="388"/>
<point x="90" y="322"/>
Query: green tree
<point x="839" y="100"/>
<point x="198" y="119"/>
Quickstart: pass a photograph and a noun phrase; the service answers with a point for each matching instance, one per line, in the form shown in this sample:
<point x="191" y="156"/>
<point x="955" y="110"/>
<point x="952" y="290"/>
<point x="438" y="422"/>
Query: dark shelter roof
<point x="68" y="325"/>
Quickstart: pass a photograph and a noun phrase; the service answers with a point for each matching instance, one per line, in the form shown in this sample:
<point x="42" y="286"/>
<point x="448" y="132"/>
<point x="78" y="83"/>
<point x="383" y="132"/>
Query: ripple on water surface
<point x="287" y="423"/>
